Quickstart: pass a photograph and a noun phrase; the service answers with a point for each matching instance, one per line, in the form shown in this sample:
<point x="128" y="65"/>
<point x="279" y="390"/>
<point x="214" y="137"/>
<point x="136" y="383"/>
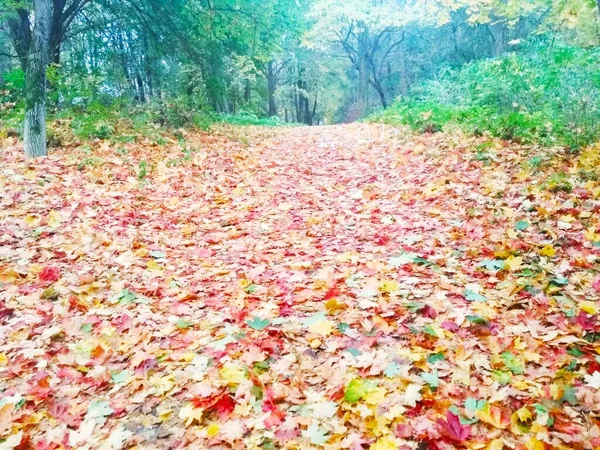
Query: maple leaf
<point x="49" y="274"/>
<point x="493" y="416"/>
<point x="316" y="434"/>
<point x="357" y="389"/>
<point x="431" y="378"/>
<point x="384" y="443"/>
<point x="98" y="409"/>
<point x="392" y="370"/>
<point x="593" y="380"/>
<point x="258" y="324"/>
<point x="452" y="429"/>
<point x="513" y="263"/>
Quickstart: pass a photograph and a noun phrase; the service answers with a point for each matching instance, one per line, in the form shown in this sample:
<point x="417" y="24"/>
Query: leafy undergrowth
<point x="337" y="287"/>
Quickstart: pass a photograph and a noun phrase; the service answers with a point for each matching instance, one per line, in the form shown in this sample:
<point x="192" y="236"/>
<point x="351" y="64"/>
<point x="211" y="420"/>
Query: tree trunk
<point x="499" y="35"/>
<point x="271" y="87"/>
<point x="247" y="92"/>
<point x="404" y="80"/>
<point x="35" y="82"/>
<point x="363" y="74"/>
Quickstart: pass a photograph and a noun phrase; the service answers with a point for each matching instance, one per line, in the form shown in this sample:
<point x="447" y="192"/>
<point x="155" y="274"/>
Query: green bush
<point x="544" y="94"/>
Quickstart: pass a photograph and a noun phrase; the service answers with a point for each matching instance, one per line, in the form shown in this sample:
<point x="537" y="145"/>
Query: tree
<point x="35" y="84"/>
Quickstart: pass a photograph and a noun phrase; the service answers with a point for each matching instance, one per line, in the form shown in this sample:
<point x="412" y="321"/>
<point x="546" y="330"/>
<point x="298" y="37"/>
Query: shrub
<point x="544" y="94"/>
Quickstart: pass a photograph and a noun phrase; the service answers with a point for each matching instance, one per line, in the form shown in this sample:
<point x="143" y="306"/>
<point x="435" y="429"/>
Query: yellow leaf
<point x="524" y="414"/>
<point x="332" y="306"/>
<point x="513" y="263"/>
<point x="3" y="360"/>
<point x="548" y="251"/>
<point x="232" y="374"/>
<point x="384" y="443"/>
<point x="189" y="414"/>
<point x="54" y="219"/>
<point x="589" y="307"/>
<point x="212" y="430"/>
<point x="493" y="416"/>
<point x="322" y="327"/>
<point x="375" y="396"/>
<point x="388" y="286"/>
<point x="534" y="444"/>
<point x="153" y="266"/>
<point x="591" y="235"/>
<point x="519" y="345"/>
<point x="512" y="234"/>
<point x="496" y="444"/>
<point x="32" y="221"/>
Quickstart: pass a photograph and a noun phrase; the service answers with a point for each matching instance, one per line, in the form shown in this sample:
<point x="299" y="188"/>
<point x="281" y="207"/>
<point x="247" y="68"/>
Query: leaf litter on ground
<point x="337" y="287"/>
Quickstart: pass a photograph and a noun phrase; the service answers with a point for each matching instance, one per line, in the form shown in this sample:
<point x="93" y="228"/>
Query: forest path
<point x="339" y="286"/>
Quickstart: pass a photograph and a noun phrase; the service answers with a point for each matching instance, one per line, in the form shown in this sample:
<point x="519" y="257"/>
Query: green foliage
<point x="245" y="118"/>
<point x="545" y="95"/>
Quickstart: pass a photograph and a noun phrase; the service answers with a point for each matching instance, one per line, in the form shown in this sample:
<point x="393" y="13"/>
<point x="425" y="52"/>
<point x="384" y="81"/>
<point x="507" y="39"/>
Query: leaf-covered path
<point x="337" y="287"/>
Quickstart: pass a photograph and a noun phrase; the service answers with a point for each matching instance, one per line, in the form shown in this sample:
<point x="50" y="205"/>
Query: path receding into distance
<point x="330" y="287"/>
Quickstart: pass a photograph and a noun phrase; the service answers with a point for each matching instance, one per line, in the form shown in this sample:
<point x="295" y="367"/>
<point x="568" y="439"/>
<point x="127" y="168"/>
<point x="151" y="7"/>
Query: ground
<point x="328" y="287"/>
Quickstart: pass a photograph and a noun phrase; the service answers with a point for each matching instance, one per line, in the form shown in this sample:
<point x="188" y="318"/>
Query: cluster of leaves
<point x="549" y="95"/>
<point x="434" y="290"/>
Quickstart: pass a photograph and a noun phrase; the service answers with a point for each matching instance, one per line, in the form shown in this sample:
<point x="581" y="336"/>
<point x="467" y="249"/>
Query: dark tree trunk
<point x="247" y="92"/>
<point x="19" y="29"/>
<point x="35" y="81"/>
<point x="271" y="87"/>
<point x="363" y="73"/>
<point x="404" y="80"/>
<point x="498" y="31"/>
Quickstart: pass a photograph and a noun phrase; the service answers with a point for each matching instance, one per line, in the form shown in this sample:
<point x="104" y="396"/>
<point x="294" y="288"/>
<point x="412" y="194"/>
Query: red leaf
<point x="452" y="429"/>
<point x="224" y="406"/>
<point x="586" y="322"/>
<point x="596" y="284"/>
<point x="332" y="293"/>
<point x="50" y="274"/>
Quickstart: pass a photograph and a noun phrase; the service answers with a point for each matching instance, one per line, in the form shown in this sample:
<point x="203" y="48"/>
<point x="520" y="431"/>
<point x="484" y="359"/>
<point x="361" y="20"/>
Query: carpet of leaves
<point x="334" y="287"/>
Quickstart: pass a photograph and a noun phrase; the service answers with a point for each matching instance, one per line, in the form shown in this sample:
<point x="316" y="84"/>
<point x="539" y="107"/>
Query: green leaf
<point x="126" y="297"/>
<point x="98" y="409"/>
<point x="559" y="281"/>
<point x="435" y="357"/>
<point x="316" y="434"/>
<point x="157" y="255"/>
<point x="493" y="264"/>
<point x="422" y="261"/>
<point x="403" y="259"/>
<point x="86" y="328"/>
<point x="473" y="405"/>
<point x="569" y="395"/>
<point x="315" y="318"/>
<point x="511" y="363"/>
<point x="356" y="390"/>
<point x="428" y="329"/>
<point x="477" y="320"/>
<point x="501" y="376"/>
<point x="575" y="352"/>
<point x="258" y="324"/>
<point x="522" y="225"/>
<point x="354" y="352"/>
<point x="120" y="377"/>
<point x="431" y="378"/>
<point x="392" y="370"/>
<point x="474" y="296"/>
<point x="415" y="307"/>
<point x="251" y="288"/>
<point x="182" y="324"/>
